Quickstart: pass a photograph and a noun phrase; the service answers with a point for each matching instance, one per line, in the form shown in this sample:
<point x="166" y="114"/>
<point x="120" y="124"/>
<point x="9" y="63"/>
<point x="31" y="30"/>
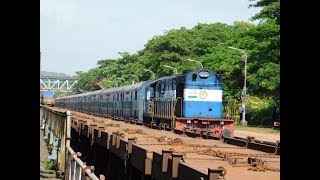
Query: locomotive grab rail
<point x="176" y="104"/>
<point x="172" y="112"/>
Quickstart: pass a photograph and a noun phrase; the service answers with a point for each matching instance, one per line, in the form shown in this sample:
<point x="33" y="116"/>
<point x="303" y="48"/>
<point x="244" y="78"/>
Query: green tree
<point x="270" y="10"/>
<point x="207" y="43"/>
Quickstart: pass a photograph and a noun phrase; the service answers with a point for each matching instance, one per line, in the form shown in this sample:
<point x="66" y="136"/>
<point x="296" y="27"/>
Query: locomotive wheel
<point x="226" y="133"/>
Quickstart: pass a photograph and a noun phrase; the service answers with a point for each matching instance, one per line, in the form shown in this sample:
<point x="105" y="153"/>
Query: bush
<point x="231" y="110"/>
<point x="50" y="147"/>
<point x="49" y="165"/>
<point x="261" y="110"/>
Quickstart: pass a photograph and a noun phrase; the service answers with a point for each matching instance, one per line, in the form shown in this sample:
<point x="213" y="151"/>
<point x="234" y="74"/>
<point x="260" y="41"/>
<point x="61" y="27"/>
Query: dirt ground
<point x="263" y="136"/>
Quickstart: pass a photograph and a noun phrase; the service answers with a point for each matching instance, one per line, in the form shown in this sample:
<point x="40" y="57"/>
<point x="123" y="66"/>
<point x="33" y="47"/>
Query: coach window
<point x="151" y="92"/>
<point x="174" y="85"/>
<point x="163" y="87"/>
<point x="135" y="95"/>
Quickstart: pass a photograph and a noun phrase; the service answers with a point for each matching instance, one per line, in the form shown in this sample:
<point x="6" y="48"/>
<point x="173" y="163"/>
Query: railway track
<point x="249" y="142"/>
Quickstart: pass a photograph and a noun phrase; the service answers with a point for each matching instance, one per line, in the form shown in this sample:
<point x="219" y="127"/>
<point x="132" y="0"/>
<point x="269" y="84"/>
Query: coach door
<point x="100" y="104"/>
<point x="149" y="100"/>
<point x="122" y="104"/>
<point x="179" y="103"/>
<point x="135" y="105"/>
<point x="131" y="105"/>
<point x="118" y="104"/>
<point x="89" y="103"/>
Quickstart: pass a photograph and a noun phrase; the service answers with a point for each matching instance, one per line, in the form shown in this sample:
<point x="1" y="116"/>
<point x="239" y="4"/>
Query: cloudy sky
<point x="75" y="34"/>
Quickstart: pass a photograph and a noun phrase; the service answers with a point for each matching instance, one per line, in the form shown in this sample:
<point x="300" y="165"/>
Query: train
<point x="47" y="98"/>
<point x="188" y="102"/>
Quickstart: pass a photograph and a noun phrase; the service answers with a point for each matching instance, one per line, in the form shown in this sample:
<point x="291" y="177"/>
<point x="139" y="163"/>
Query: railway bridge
<point x="57" y="83"/>
<point x="91" y="147"/>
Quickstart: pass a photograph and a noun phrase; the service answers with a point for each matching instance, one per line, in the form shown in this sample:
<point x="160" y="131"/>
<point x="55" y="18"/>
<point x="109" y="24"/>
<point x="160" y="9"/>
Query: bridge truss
<point x="57" y="84"/>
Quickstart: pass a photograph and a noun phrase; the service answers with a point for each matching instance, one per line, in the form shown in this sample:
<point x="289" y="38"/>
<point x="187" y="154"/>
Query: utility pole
<point x="244" y="90"/>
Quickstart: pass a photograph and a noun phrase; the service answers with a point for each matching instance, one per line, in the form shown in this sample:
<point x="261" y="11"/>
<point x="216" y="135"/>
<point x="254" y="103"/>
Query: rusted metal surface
<point x="205" y="126"/>
<point x="236" y="142"/>
<point x="207" y="119"/>
<point x="251" y="143"/>
<point x="144" y="149"/>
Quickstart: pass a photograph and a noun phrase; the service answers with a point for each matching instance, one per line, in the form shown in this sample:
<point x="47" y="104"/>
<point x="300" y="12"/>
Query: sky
<point x="75" y="34"/>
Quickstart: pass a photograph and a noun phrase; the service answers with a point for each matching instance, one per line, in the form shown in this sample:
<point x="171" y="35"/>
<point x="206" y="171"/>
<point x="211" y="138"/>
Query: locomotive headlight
<point x="204" y="74"/>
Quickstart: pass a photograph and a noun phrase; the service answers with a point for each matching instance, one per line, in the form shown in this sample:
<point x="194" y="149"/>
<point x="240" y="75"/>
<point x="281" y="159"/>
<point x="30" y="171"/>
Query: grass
<point x="50" y="147"/>
<point x="257" y="129"/>
<point x="49" y="164"/>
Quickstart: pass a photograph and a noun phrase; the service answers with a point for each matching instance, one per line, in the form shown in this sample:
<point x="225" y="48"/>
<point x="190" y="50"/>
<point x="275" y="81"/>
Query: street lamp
<point x="135" y="77"/>
<point x="244" y="91"/>
<point x="199" y="63"/>
<point x="174" y="69"/>
<point x="153" y="75"/>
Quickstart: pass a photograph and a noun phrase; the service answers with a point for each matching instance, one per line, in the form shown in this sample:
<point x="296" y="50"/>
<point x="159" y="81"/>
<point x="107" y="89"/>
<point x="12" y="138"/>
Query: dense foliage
<point x="208" y="43"/>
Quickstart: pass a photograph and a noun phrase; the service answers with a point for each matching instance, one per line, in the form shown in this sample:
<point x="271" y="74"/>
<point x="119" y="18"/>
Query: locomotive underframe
<point x="204" y="126"/>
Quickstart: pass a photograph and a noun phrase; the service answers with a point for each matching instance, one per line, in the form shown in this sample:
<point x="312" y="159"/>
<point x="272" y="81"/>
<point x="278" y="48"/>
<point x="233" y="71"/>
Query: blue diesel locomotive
<point x="190" y="102"/>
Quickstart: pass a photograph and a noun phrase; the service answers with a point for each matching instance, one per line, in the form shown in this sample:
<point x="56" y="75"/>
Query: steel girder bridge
<point x="57" y="84"/>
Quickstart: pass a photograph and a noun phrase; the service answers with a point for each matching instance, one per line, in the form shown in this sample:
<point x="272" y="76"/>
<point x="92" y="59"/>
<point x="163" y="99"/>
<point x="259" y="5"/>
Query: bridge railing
<point x="56" y="127"/>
